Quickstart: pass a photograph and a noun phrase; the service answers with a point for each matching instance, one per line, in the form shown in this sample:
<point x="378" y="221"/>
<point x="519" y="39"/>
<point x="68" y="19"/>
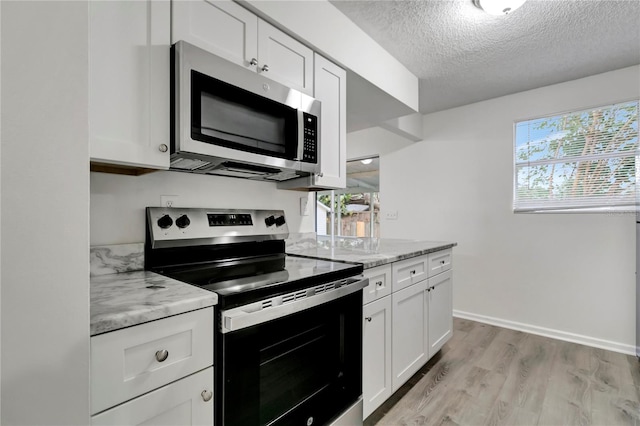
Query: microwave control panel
<point x="310" y="148"/>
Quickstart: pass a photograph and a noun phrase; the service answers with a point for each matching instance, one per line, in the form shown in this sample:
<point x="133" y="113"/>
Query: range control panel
<point x="173" y="227"/>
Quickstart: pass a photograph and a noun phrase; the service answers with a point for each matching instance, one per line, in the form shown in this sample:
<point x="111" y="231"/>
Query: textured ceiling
<point x="462" y="55"/>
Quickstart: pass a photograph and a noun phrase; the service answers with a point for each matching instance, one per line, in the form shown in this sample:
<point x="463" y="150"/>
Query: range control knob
<point x="270" y="220"/>
<point x="165" y="221"/>
<point x="280" y="221"/>
<point x="183" y="221"/>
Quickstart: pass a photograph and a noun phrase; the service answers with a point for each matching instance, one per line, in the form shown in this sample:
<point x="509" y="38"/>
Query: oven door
<point x="300" y="369"/>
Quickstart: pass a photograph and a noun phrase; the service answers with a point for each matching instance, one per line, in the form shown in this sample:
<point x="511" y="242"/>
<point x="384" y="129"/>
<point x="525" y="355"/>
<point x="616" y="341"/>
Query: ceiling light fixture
<point x="366" y="161"/>
<point x="498" y="7"/>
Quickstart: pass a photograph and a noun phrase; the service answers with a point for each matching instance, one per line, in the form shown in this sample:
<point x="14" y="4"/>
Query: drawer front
<point x="409" y="271"/>
<point x="180" y="403"/>
<point x="129" y="362"/>
<point x="379" y="283"/>
<point x="439" y="261"/>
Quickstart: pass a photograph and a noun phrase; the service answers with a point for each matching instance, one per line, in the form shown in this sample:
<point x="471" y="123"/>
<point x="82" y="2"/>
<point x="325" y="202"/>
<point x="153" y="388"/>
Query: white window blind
<point x="580" y="160"/>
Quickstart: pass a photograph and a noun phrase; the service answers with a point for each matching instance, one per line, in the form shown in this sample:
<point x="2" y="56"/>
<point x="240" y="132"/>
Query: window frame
<point x="582" y="208"/>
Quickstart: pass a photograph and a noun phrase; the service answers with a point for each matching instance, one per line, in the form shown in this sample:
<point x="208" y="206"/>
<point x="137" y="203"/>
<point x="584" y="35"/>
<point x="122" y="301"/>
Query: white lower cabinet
<point x="407" y="319"/>
<point x="188" y="401"/>
<point x="159" y="372"/>
<point x="409" y="331"/>
<point x="376" y="353"/>
<point x="440" y="311"/>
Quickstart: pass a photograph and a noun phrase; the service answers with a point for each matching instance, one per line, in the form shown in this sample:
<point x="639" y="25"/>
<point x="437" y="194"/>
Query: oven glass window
<point x="226" y="115"/>
<point x="306" y="367"/>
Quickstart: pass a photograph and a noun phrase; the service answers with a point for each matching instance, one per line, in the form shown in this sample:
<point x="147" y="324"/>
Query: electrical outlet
<point x="304" y="206"/>
<point x="168" y="200"/>
<point x="393" y="215"/>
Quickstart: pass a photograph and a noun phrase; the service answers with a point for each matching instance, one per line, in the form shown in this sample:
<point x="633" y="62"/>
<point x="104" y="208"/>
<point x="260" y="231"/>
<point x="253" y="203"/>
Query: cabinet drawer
<point x="409" y="271"/>
<point x="379" y="283"/>
<point x="128" y="362"/>
<point x="180" y="403"/>
<point x="439" y="261"/>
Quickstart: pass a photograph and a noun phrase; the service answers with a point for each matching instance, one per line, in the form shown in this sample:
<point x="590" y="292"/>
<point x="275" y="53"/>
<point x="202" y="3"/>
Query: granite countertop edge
<point x="408" y="255"/>
<point x="124" y="300"/>
<point x="379" y="258"/>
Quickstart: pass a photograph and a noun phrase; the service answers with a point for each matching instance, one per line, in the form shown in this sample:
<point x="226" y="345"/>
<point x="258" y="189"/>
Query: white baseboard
<point x="548" y="332"/>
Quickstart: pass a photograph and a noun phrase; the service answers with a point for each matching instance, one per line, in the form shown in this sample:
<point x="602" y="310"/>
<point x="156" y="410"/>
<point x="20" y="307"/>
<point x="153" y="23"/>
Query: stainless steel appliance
<point x="288" y="342"/>
<point x="231" y="121"/>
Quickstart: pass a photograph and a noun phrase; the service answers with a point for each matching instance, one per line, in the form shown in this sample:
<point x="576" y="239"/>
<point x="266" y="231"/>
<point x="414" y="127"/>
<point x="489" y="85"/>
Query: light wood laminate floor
<point x="488" y="375"/>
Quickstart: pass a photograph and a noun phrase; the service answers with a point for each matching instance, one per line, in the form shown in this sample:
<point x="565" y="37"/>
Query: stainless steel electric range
<point x="288" y="332"/>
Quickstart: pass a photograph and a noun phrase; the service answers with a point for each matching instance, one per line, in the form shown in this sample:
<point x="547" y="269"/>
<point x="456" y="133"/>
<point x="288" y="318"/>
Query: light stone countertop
<point x="132" y="298"/>
<point x="371" y="252"/>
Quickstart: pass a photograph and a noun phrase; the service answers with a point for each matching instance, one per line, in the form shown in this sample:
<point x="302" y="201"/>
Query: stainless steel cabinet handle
<point x="206" y="395"/>
<point x="162" y="355"/>
<point x="368" y="319"/>
<point x="163" y="147"/>
<point x="253" y="62"/>
<point x="265" y="68"/>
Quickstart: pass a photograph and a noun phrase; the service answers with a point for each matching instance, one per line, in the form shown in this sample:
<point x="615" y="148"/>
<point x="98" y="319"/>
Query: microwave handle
<point x="300" y="135"/>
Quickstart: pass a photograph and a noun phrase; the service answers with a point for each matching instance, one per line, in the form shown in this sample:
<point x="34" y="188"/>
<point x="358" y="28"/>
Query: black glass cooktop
<point x="246" y="280"/>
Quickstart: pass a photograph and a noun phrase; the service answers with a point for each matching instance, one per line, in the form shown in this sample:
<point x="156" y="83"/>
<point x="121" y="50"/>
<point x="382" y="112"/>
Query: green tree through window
<point x="578" y="160"/>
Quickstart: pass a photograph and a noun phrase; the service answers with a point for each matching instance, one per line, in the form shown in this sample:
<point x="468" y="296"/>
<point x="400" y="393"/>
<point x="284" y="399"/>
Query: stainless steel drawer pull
<point x="206" y="395"/>
<point x="378" y="283"/>
<point x="413" y="272"/>
<point x="368" y="319"/>
<point x="162" y="355"/>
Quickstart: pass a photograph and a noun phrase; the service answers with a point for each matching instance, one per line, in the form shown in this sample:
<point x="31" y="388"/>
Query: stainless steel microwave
<point x="231" y="121"/>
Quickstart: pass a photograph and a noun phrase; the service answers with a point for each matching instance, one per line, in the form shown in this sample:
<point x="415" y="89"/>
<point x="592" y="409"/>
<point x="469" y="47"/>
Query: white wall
<point x="373" y="141"/>
<point x="118" y="202"/>
<point x="565" y="275"/>
<point x="45" y="214"/>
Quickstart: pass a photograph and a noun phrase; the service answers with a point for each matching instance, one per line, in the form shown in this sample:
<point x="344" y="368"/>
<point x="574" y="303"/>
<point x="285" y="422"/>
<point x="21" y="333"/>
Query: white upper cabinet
<point x="232" y="32"/>
<point x="331" y="91"/>
<point x="221" y="27"/>
<point x="129" y="81"/>
<point x="284" y="59"/>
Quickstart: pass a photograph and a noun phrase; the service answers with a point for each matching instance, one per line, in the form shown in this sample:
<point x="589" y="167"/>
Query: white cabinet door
<point x="409" y="332"/>
<point x="284" y="59"/>
<point x="440" y="311"/>
<point x="188" y="401"/>
<point x="129" y="66"/>
<point x="221" y="27"/>
<point x="331" y="91"/>
<point x="376" y="354"/>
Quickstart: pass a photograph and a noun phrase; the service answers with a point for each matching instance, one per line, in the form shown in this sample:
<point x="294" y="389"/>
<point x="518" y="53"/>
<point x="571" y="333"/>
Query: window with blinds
<point x="582" y="160"/>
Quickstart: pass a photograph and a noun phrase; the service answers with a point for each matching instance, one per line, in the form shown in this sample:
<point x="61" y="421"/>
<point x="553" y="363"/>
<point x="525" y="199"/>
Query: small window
<point x="354" y="211"/>
<point x="582" y="160"/>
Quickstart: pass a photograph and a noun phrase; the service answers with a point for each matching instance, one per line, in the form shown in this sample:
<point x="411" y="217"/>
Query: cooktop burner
<point x="238" y="254"/>
<point x="247" y="281"/>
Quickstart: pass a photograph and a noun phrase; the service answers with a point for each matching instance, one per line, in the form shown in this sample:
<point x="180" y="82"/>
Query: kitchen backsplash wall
<point x="118" y="202"/>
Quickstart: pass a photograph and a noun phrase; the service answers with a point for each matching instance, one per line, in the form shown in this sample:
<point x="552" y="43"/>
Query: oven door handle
<point x="254" y="314"/>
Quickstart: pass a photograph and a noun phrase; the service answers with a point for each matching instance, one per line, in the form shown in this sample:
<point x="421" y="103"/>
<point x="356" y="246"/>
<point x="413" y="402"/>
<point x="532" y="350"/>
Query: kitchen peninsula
<point x="407" y="306"/>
